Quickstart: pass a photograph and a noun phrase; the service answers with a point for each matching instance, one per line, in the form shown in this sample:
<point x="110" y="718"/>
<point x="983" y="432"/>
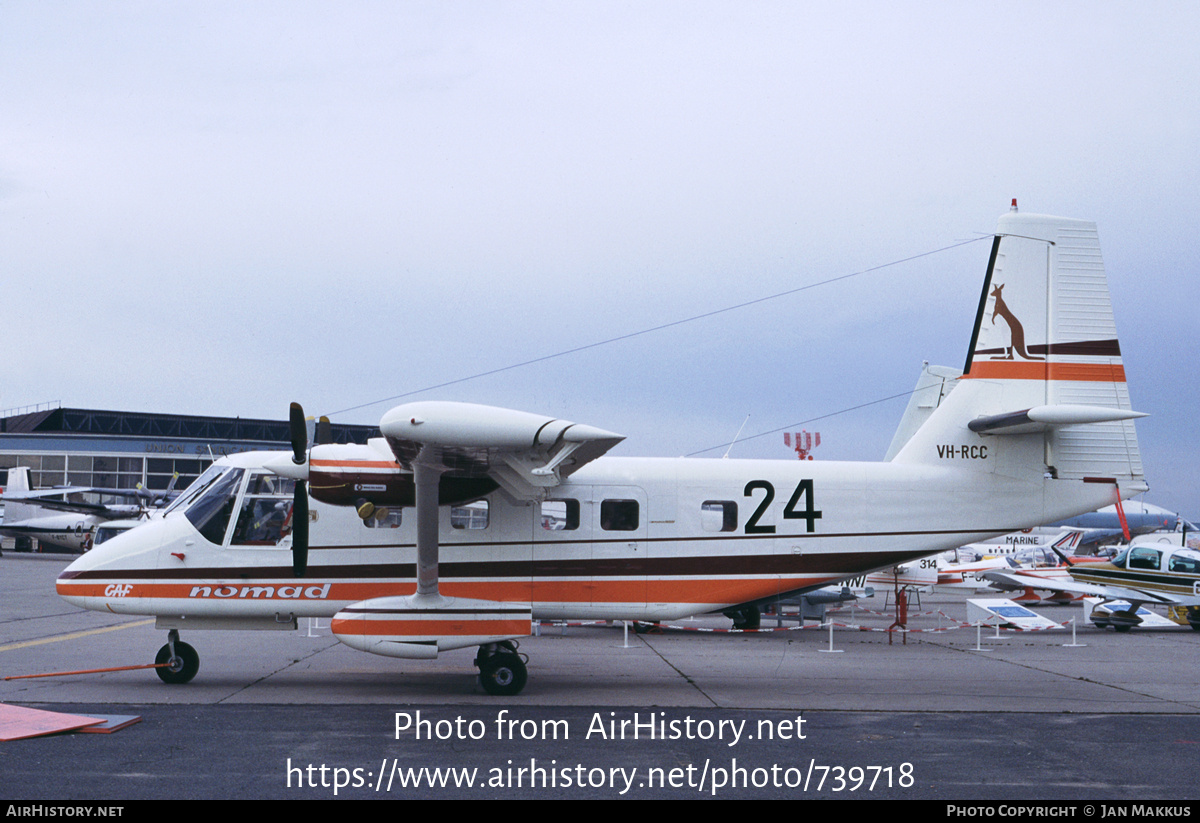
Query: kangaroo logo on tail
<point x="1016" y="330"/>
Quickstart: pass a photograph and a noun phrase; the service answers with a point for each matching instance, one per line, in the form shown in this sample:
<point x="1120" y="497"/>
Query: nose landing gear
<point x="182" y="661"/>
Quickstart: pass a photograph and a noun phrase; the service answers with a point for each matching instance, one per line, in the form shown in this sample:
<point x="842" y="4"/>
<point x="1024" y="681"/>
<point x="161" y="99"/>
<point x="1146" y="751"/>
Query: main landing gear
<point x="501" y="668"/>
<point x="182" y="660"/>
<point x="746" y="618"/>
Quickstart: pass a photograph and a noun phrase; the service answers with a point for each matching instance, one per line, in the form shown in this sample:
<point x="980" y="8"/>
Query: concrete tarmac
<point x="688" y="712"/>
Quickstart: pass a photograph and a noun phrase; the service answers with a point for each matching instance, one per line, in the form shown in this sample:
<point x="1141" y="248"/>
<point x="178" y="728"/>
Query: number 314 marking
<point x="803" y="490"/>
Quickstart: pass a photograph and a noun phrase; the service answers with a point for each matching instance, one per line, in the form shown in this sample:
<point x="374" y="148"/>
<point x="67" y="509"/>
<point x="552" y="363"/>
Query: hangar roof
<point x="140" y="424"/>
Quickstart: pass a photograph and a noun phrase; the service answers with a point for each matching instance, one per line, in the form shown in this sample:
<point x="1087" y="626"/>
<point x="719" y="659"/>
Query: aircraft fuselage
<point x="623" y="538"/>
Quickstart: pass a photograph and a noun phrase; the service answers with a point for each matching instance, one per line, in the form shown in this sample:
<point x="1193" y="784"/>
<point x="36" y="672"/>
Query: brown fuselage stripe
<point x="657" y="567"/>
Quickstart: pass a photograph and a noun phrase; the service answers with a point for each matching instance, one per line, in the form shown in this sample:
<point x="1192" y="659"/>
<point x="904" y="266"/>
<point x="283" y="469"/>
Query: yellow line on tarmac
<point x="75" y="635"/>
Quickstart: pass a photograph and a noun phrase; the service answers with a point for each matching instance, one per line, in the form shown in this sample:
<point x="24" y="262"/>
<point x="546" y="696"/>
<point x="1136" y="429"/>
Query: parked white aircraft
<point x="1159" y="569"/>
<point x="962" y="568"/>
<point x="60" y="517"/>
<point x="517" y="516"/>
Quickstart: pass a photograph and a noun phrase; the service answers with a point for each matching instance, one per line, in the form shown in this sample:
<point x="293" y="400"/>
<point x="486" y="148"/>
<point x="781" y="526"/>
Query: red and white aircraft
<point x="464" y="523"/>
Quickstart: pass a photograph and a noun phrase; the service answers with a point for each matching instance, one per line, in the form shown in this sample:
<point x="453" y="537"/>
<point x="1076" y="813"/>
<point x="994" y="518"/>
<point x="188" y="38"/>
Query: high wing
<point x="1018" y="581"/>
<point x="57" y="500"/>
<point x="476" y="449"/>
<point x="60" y="499"/>
<point x="442" y="453"/>
<point x="524" y="453"/>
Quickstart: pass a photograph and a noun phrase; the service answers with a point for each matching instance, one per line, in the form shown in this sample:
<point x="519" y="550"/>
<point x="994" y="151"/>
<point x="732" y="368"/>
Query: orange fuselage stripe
<point x="737" y="590"/>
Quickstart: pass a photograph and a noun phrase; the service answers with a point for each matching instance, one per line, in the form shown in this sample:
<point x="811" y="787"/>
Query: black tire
<point x="746" y="618"/>
<point x="1126" y="620"/>
<point x="183" y="666"/>
<point x="502" y="674"/>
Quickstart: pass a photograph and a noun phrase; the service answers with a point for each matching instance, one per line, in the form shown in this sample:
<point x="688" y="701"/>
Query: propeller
<point x="299" y="434"/>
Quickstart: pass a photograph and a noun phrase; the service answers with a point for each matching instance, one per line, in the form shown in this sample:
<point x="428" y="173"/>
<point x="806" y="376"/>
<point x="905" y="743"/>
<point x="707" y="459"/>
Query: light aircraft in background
<point x="1155" y="569"/>
<point x="963" y="568"/>
<point x="61" y="517"/>
<point x="435" y="536"/>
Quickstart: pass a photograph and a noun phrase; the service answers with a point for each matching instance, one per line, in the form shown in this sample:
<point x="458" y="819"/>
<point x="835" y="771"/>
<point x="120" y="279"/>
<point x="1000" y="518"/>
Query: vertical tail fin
<point x="18" y="484"/>
<point x="18" y="480"/>
<point x="1044" y="357"/>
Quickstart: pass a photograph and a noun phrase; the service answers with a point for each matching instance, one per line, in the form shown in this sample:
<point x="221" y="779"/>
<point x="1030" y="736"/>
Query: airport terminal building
<point x="113" y="449"/>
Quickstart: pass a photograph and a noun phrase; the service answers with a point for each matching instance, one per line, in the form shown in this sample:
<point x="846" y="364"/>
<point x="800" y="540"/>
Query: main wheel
<point x="502" y="674"/>
<point x="1125" y="620"/>
<point x="746" y="618"/>
<point x="182" y="667"/>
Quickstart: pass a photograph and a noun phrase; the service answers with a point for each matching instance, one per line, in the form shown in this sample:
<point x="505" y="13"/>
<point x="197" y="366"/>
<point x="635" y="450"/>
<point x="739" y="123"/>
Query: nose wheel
<point x="182" y="661"/>
<point x="502" y="670"/>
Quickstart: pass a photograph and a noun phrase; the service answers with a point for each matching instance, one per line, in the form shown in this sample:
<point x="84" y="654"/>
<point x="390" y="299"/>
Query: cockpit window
<point x="196" y="488"/>
<point x="1143" y="557"/>
<point x="211" y="511"/>
<point x="104" y="533"/>
<point x="266" y="515"/>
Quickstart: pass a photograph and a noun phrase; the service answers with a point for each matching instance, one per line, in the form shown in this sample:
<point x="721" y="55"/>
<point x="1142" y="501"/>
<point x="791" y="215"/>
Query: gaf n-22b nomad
<point x="462" y="524"/>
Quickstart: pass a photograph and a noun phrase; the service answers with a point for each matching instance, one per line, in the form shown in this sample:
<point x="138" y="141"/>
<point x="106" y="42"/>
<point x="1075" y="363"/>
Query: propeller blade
<point x="299" y="433"/>
<point x="300" y="529"/>
<point x="324" y="435"/>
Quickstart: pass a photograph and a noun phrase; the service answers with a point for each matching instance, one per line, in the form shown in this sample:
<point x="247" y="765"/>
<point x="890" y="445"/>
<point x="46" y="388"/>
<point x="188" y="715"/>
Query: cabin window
<point x="560" y="515"/>
<point x="1144" y="558"/>
<point x="384" y="518"/>
<point x="718" y="516"/>
<point x="1186" y="561"/>
<point x="619" y="515"/>
<point x="471" y="516"/>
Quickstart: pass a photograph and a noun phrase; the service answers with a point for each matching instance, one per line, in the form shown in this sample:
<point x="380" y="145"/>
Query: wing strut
<point x="427" y="473"/>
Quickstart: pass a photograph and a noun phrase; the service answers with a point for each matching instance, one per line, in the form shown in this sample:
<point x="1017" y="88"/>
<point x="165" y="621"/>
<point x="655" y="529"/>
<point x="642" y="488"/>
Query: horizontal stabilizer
<point x="1041" y="418"/>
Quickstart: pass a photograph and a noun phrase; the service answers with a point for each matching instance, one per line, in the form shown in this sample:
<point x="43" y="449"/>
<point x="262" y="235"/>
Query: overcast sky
<point x="218" y="208"/>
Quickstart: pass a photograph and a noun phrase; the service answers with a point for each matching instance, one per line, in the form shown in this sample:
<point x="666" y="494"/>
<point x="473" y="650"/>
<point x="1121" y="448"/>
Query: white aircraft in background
<point x="60" y="516"/>
<point x="434" y="536"/>
<point x="1155" y="569"/>
<point x="963" y="568"/>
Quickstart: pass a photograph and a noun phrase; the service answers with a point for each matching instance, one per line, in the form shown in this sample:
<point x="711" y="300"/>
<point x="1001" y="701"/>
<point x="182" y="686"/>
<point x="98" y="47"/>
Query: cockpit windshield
<point x="211" y="511"/>
<point x="195" y="488"/>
